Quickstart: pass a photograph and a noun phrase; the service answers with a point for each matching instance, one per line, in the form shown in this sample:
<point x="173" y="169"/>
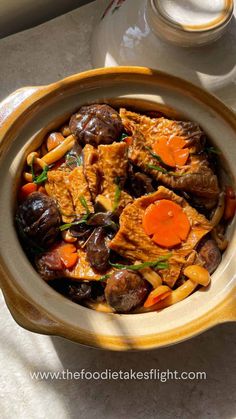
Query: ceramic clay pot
<point x="26" y="116"/>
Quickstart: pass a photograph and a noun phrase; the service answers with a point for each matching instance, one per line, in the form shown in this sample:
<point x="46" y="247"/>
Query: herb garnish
<point x="42" y="177"/>
<point x="32" y="168"/>
<point x="153" y="154"/>
<point x="160" y="169"/>
<point x="160" y="263"/>
<point x="212" y="150"/>
<point x="104" y="277"/>
<point x="71" y="160"/>
<point x="85" y="205"/>
<point x="123" y="136"/>
<point x="79" y="160"/>
<point x="69" y="225"/>
<point x="83" y="219"/>
<point x="117" y="193"/>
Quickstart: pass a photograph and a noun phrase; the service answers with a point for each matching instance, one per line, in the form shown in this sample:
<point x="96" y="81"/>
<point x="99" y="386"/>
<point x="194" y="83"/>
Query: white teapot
<point x="181" y="37"/>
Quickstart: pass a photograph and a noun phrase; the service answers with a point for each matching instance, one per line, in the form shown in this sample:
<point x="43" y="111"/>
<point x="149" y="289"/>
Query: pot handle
<point x="226" y="311"/>
<point x="24" y="312"/>
<point x="27" y="315"/>
<point x="17" y="103"/>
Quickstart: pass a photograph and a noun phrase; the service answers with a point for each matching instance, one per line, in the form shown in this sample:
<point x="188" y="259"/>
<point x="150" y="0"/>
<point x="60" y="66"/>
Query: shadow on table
<point x="213" y="352"/>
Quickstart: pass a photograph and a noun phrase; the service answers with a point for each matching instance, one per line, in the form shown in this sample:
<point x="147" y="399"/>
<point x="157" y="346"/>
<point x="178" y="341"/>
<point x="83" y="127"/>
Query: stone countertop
<point x="39" y="56"/>
<point x="48" y="52"/>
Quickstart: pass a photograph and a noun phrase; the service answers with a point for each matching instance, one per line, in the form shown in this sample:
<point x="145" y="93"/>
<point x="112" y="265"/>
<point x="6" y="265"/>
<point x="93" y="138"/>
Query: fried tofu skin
<point x="132" y="242"/>
<point x="68" y="188"/>
<point x="113" y="162"/>
<point x="59" y="190"/>
<point x="195" y="177"/>
<point x="91" y="170"/>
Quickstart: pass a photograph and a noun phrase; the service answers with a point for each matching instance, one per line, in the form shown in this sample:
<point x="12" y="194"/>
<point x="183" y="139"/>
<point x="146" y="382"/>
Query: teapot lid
<point x="195" y="15"/>
<point x="191" y="21"/>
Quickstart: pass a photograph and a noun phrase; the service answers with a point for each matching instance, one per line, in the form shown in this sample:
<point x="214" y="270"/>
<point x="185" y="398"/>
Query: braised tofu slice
<point x="195" y="176"/>
<point x="59" y="189"/>
<point x="91" y="169"/>
<point x="153" y="127"/>
<point x="79" y="191"/>
<point x="132" y="242"/>
<point x="68" y="188"/>
<point x="113" y="162"/>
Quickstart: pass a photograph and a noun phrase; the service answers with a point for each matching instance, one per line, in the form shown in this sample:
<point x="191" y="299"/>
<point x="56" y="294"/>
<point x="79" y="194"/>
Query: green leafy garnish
<point x="32" y="168"/>
<point x="42" y="177"/>
<point x="84" y="218"/>
<point x="117" y="194"/>
<point x="85" y="205"/>
<point x="160" y="169"/>
<point x="71" y="160"/>
<point x="160" y="263"/>
<point x="116" y="198"/>
<point x="69" y="225"/>
<point x="212" y="150"/>
<point x="104" y="277"/>
<point x="123" y="136"/>
<point x="153" y="154"/>
<point x="79" y="160"/>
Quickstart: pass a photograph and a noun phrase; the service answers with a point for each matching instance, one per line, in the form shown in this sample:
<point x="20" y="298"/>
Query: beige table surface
<point x="39" y="56"/>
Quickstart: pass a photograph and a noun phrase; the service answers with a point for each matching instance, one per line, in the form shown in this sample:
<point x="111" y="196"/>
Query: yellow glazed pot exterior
<point x="25" y="117"/>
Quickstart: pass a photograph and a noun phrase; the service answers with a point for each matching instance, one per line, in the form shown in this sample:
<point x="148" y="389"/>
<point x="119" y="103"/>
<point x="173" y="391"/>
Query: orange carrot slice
<point x="176" y="143"/>
<point x="166" y="240"/>
<point x="26" y="190"/>
<point x="161" y="148"/>
<point x="182" y="224"/>
<point x="166" y="222"/>
<point x="181" y="156"/>
<point x="158" y="294"/>
<point x="68" y="255"/>
<point x="171" y="150"/>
